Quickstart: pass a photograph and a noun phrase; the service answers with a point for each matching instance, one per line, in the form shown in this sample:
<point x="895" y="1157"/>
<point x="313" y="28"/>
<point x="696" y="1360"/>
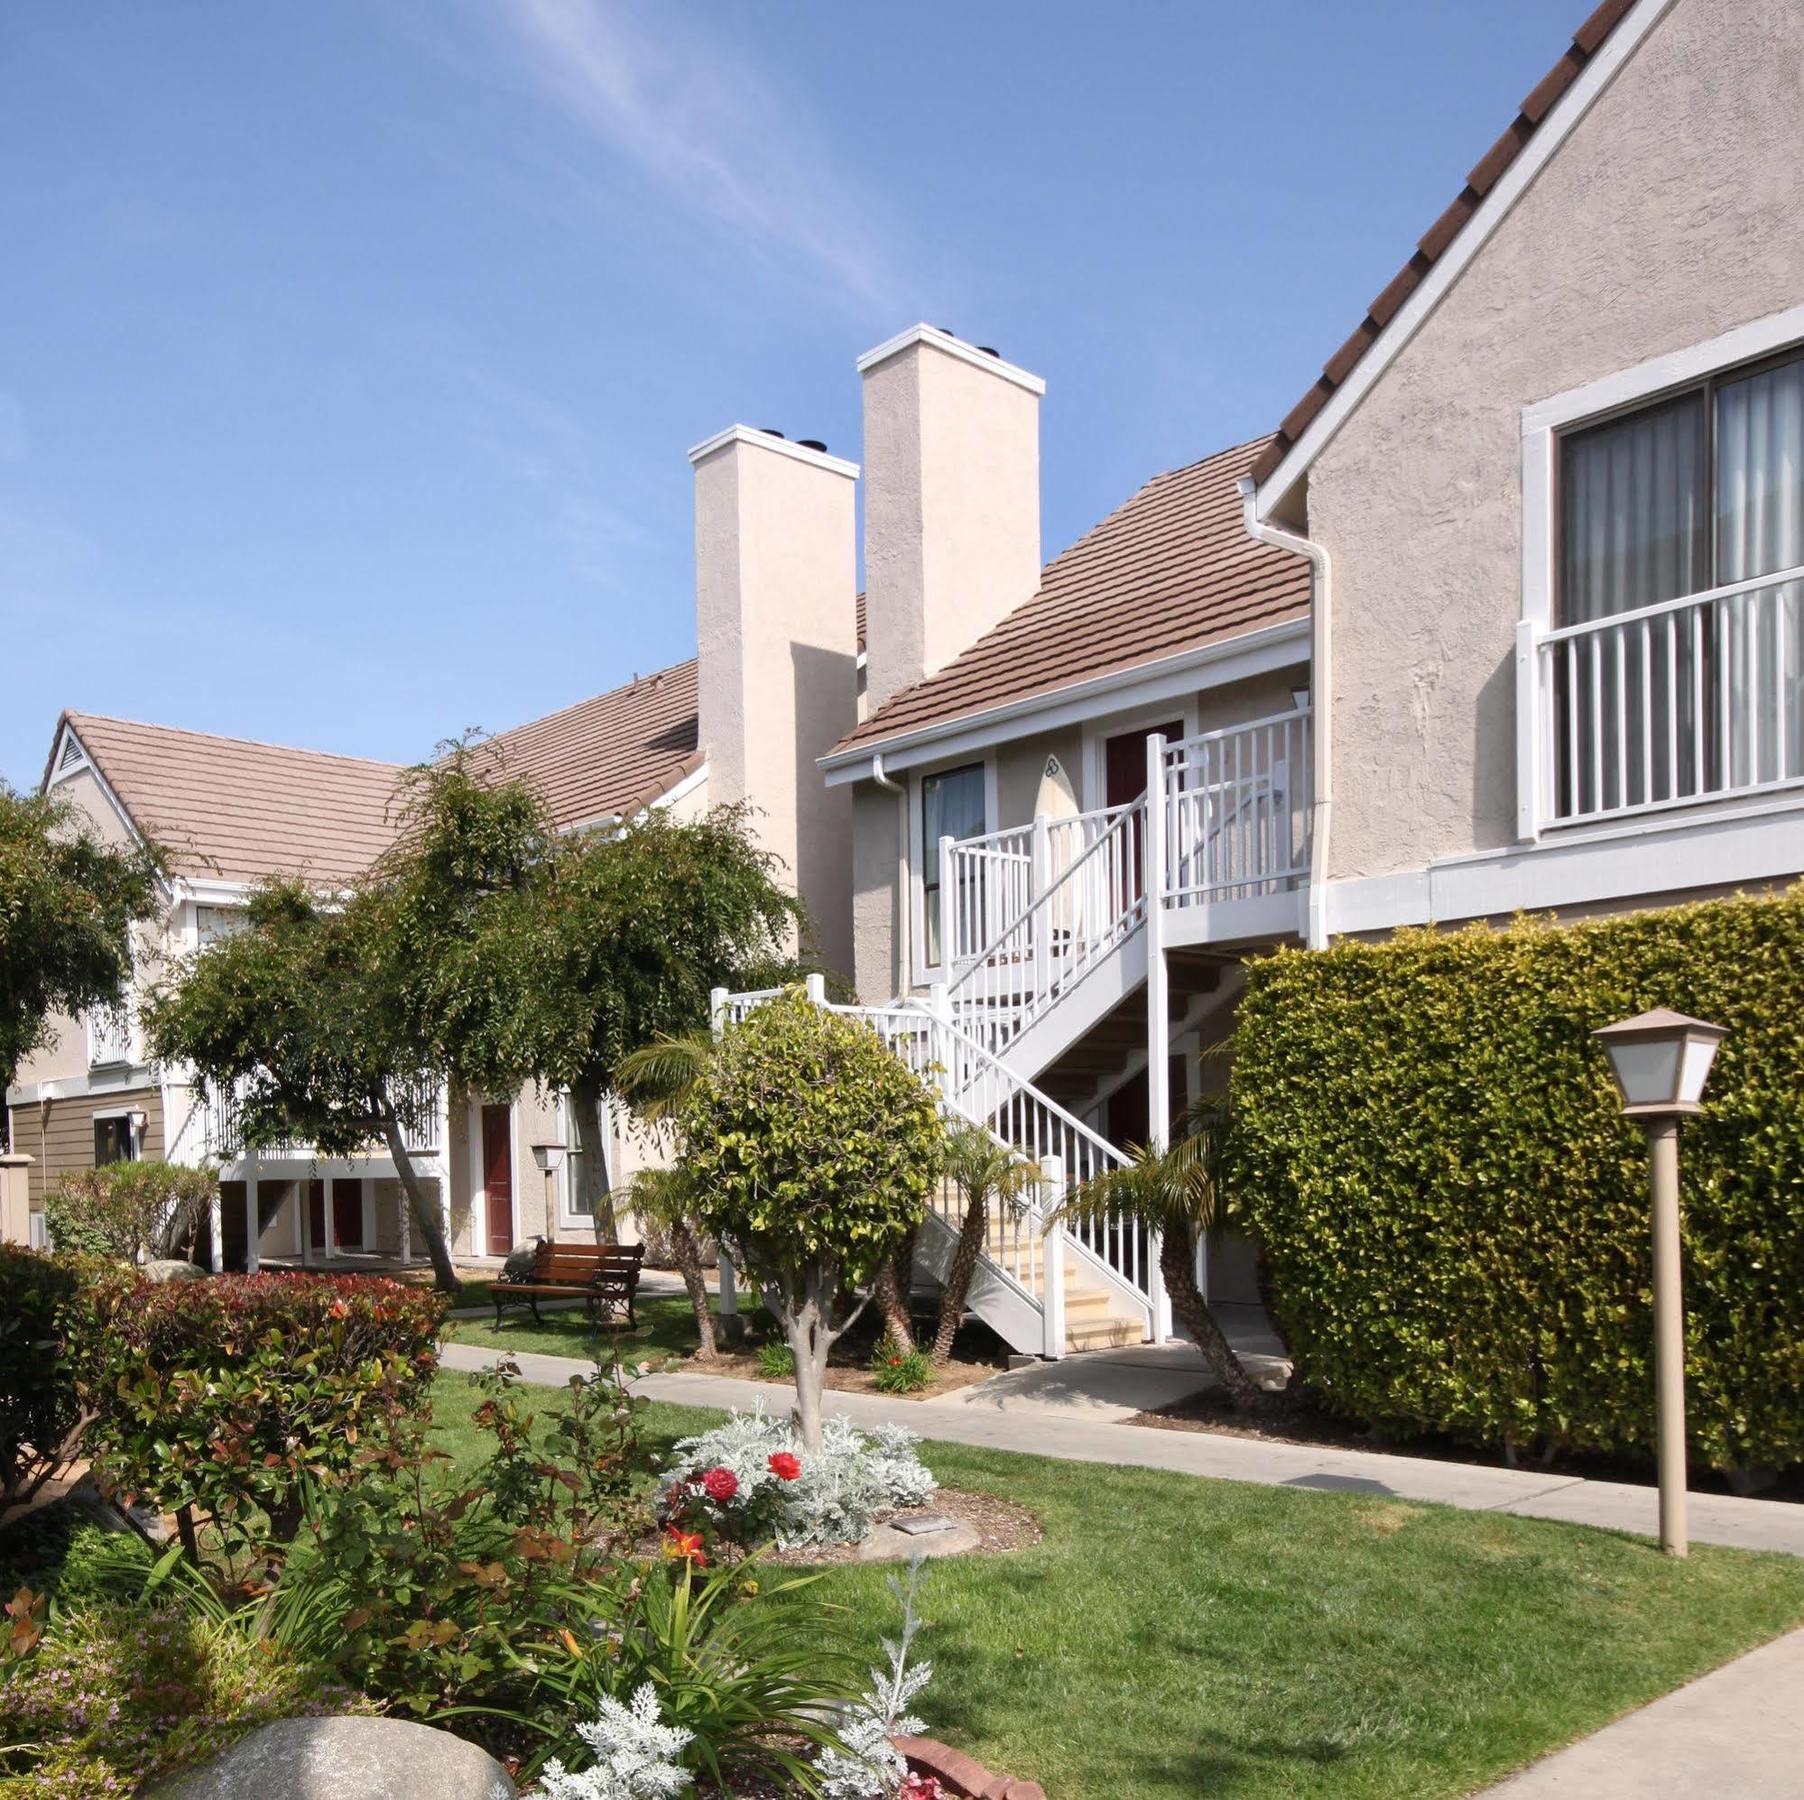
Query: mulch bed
<point x="1001" y="1526"/>
<point x="1295" y="1421"/>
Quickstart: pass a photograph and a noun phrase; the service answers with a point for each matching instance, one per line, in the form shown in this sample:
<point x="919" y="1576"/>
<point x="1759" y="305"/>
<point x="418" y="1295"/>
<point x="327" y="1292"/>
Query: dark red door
<point x="1124" y="779"/>
<point x="498" y="1177"/>
<point x="347" y="1212"/>
<point x="316" y="1215"/>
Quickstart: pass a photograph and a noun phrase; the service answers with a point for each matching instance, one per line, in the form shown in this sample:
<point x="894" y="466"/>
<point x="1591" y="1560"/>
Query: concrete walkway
<point x="1738" y="1730"/>
<point x="1073" y="1410"/>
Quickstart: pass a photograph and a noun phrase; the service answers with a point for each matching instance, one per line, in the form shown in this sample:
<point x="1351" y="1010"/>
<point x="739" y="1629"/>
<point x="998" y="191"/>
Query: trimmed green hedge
<point x="1453" y="1209"/>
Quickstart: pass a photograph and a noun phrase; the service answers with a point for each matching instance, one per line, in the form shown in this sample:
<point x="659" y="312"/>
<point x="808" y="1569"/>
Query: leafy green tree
<point x="1177" y="1192"/>
<point x="302" y="1014"/>
<point x="987" y="1173"/>
<point x="67" y="906"/>
<point x="813" y="1151"/>
<point x="614" y="943"/>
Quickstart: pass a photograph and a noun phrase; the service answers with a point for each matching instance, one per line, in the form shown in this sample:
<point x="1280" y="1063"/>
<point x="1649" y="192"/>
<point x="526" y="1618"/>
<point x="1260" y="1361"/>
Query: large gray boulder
<point x="171" y="1268"/>
<point x="347" y="1759"/>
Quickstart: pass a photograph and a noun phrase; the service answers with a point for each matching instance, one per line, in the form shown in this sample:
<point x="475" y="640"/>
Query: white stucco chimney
<point x="952" y="501"/>
<point x="776" y="636"/>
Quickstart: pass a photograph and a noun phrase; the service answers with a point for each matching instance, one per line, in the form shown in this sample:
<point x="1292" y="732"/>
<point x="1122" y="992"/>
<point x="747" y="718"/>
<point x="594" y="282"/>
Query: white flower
<point x="631" y="1747"/>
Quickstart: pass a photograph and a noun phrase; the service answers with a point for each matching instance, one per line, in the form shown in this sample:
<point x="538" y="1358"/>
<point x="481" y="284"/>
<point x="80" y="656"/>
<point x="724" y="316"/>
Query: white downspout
<point x="1321" y="692"/>
<point x="904" y="887"/>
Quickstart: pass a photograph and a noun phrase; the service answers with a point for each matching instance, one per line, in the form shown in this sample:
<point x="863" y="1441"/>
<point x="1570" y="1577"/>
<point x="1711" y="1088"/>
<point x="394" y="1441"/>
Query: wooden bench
<point x="604" y="1276"/>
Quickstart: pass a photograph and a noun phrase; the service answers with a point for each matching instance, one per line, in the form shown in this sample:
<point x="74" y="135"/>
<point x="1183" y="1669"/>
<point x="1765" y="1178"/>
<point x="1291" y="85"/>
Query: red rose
<point x="784" y="1466"/>
<point x="720" y="1485"/>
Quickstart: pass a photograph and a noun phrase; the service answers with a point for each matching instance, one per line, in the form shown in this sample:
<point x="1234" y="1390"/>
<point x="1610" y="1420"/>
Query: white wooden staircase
<point x="1068" y="939"/>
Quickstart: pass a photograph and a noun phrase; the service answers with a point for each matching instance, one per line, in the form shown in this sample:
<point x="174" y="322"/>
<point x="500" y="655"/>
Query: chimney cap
<point x="944" y="340"/>
<point x="781" y="446"/>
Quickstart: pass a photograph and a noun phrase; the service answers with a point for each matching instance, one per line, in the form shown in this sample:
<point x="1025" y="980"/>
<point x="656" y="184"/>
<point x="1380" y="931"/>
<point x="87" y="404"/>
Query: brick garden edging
<point x="927" y="1756"/>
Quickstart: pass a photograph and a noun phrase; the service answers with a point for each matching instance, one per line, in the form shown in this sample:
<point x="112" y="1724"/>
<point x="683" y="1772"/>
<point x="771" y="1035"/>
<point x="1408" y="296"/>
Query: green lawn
<point x="1175" y="1637"/>
<point x="665" y="1337"/>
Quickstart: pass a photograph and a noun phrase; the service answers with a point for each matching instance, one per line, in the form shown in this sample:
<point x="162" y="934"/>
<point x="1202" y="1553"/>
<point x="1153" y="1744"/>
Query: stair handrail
<point x="1005" y="988"/>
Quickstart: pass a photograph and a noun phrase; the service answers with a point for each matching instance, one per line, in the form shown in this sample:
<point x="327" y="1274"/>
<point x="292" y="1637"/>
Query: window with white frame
<point x="952" y="805"/>
<point x="1676" y="669"/>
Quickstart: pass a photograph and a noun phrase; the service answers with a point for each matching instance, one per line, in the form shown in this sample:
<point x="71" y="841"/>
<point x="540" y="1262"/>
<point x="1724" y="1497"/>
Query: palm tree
<point x="984" y="1170"/>
<point x="665" y="1198"/>
<point x="655" y="1080"/>
<point x="1176" y="1192"/>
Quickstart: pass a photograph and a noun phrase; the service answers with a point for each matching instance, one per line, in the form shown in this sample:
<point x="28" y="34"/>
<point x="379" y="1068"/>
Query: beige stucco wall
<point x="952" y="509"/>
<point x="775" y="580"/>
<point x="1670" y="215"/>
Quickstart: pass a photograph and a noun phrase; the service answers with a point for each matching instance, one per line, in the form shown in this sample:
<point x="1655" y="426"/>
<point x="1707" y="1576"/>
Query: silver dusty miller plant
<point x="870" y="1767"/>
<point x="632" y="1748"/>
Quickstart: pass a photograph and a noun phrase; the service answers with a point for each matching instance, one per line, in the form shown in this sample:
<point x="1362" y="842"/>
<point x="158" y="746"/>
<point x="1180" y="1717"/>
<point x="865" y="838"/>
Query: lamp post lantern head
<point x="549" y="1157"/>
<point x="1661" y="1060"/>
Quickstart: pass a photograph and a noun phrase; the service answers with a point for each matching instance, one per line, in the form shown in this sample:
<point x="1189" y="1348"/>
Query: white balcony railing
<point x="110" y="1037"/>
<point x="418" y="1105"/>
<point x="1693" y="699"/>
<point x="1237" y="811"/>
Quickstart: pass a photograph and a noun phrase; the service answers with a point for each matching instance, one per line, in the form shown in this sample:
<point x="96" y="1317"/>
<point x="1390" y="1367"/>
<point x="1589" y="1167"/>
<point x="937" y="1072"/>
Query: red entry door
<point x="316" y="1215"/>
<point x="347" y="1212"/>
<point x="498" y="1177"/>
<point x="1124" y="779"/>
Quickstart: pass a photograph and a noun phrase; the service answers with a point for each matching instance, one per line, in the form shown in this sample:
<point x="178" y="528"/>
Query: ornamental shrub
<point x="129" y="1210"/>
<point x="218" y="1400"/>
<point x="38" y="1408"/>
<point x="1427" y="1142"/>
<point x="811" y="1150"/>
<point x="832" y="1497"/>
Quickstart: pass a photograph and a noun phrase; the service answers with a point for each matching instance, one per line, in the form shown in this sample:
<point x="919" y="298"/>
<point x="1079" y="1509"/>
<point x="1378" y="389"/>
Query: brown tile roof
<point x="612" y="754"/>
<point x="1488" y="171"/>
<point x="1169" y="571"/>
<point x="227" y="809"/>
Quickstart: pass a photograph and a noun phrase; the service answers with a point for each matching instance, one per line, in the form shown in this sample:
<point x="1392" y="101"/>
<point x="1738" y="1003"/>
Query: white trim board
<point x="1565" y="114"/>
<point x="1629" y="863"/>
<point x="1151" y="684"/>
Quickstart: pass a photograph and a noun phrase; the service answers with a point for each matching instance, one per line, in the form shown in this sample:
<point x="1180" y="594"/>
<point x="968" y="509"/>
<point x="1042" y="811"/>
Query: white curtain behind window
<point x="1633" y="532"/>
<point x="1759" y="530"/>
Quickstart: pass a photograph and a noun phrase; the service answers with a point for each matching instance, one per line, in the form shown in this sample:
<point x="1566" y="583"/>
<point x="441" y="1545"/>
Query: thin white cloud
<point x="706" y="123"/>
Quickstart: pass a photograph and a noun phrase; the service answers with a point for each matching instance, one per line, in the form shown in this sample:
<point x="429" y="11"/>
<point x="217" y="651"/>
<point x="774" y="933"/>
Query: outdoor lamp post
<point x="1661" y="1060"/>
<point x="550" y="1158"/>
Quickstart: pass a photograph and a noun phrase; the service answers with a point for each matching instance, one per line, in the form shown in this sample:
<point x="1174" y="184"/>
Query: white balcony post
<point x="948" y="908"/>
<point x="1052" y="1249"/>
<point x="717" y="1010"/>
<point x="1039" y="881"/>
<point x="331" y="1222"/>
<point x="816" y="986"/>
<point x="252" y="1248"/>
<point x="215" y="1234"/>
<point x="1158" y="1007"/>
<point x="1529" y="733"/>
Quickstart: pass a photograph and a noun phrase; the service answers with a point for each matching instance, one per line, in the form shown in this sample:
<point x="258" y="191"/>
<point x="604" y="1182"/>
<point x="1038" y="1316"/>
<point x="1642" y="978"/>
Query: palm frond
<point x="656" y="1079"/>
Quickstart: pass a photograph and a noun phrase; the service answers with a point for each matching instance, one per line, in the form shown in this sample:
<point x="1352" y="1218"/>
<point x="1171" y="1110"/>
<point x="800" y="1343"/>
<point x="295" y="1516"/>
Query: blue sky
<point x="349" y="350"/>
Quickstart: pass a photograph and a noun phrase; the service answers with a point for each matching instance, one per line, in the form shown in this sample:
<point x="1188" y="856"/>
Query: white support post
<point x="817" y="990"/>
<point x="1040" y="881"/>
<point x="444" y="1163"/>
<point x="1052" y="1242"/>
<point x="940" y="1005"/>
<point x="948" y="908"/>
<point x="717" y="1010"/>
<point x="252" y="1248"/>
<point x="215" y="1234"/>
<point x="1529" y="736"/>
<point x="1158" y="1007"/>
<point x="331" y="1222"/>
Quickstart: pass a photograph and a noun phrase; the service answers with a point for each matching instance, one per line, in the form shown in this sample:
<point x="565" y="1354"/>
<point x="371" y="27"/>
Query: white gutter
<point x="1321" y="695"/>
<point x="904" y="886"/>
